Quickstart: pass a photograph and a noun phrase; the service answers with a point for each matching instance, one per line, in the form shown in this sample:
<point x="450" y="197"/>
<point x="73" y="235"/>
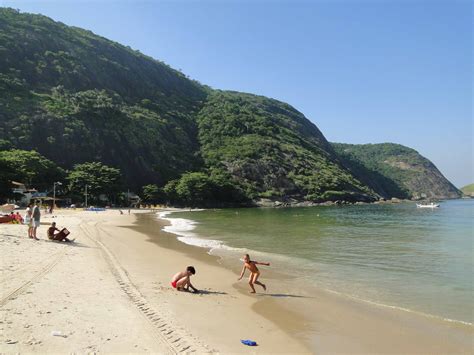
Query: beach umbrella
<point x="7" y="208"/>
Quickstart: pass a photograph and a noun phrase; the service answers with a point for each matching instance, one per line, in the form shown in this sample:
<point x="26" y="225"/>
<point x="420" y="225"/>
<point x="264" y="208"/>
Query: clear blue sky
<point x="362" y="71"/>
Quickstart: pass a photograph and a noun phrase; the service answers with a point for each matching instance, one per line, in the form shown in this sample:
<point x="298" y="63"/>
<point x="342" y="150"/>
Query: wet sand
<point x="326" y="322"/>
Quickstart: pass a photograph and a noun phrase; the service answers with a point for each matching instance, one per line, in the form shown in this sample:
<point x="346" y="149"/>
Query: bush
<point x="152" y="194"/>
<point x="31" y="168"/>
<point x="215" y="187"/>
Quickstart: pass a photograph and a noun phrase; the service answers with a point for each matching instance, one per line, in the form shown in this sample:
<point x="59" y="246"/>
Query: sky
<point x="367" y="71"/>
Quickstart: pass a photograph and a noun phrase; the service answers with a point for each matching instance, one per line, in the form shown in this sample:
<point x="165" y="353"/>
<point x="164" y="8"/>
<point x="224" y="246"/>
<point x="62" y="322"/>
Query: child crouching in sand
<point x="254" y="272"/>
<point x="182" y="280"/>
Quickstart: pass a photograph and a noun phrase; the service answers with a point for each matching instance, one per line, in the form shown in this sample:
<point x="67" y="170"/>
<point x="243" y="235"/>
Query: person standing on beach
<point x="254" y="272"/>
<point x="29" y="220"/>
<point x="36" y="214"/>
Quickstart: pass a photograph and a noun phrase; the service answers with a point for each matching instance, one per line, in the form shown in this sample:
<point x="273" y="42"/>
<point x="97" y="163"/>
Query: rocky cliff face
<point x="424" y="180"/>
<point x="272" y="150"/>
<point x="393" y="170"/>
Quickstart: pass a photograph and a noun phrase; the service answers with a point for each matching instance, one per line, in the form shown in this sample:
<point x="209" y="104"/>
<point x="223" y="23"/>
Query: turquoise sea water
<point x="396" y="255"/>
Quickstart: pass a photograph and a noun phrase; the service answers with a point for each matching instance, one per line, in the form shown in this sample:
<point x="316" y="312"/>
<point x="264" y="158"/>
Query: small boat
<point x="6" y="219"/>
<point x="431" y="205"/>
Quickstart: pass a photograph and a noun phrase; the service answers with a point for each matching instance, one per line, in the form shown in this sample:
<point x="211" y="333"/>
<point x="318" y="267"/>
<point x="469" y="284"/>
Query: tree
<point x="194" y="188"/>
<point x="5" y="144"/>
<point x="170" y="191"/>
<point x="99" y="178"/>
<point x="6" y="175"/>
<point x="226" y="188"/>
<point x="214" y="187"/>
<point x="151" y="194"/>
<point x="31" y="168"/>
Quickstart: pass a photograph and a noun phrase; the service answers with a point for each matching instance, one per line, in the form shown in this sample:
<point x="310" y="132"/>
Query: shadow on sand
<point x="281" y="295"/>
<point x="77" y="244"/>
<point x="210" y="292"/>
<point x="12" y="235"/>
<point x="74" y="243"/>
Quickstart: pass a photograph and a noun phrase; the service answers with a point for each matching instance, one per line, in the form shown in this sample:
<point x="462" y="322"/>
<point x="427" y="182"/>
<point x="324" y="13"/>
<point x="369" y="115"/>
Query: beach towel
<point x="249" y="342"/>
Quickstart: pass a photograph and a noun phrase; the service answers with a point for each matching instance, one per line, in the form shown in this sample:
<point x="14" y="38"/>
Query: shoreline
<point x="184" y="233"/>
<point x="269" y="203"/>
<point x="226" y="282"/>
<point x="110" y="292"/>
<point x="429" y="324"/>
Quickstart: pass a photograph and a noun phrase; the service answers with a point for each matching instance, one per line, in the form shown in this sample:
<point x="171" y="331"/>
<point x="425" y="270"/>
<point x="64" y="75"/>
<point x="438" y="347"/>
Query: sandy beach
<point x="110" y="292"/>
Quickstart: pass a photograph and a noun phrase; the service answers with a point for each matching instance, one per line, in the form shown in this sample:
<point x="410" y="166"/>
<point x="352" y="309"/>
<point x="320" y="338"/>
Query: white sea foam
<point x="183" y="228"/>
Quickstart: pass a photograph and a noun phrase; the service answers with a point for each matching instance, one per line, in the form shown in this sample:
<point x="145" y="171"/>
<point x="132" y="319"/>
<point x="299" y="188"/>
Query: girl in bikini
<point x="254" y="272"/>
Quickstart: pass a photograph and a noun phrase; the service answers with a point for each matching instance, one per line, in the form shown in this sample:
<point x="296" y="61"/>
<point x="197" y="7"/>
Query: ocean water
<point x="394" y="255"/>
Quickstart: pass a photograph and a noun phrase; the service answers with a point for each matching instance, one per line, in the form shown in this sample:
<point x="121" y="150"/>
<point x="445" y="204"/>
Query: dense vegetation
<point x="394" y="170"/>
<point x="30" y="168"/>
<point x="104" y="183"/>
<point x="100" y="180"/>
<point x="74" y="99"/>
<point x="64" y="89"/>
<point x="6" y="176"/>
<point x="210" y="188"/>
<point x="271" y="150"/>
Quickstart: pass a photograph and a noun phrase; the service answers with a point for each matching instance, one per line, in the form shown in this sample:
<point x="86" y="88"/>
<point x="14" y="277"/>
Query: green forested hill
<point x="394" y="170"/>
<point x="75" y="97"/>
<point x="468" y="190"/>
<point x="272" y="149"/>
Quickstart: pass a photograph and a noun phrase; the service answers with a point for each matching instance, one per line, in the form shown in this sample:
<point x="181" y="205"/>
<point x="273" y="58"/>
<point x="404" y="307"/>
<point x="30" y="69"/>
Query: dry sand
<point x="110" y="292"/>
<point x="51" y="287"/>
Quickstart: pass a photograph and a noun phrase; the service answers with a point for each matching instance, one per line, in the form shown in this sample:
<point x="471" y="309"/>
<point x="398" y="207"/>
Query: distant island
<point x="79" y="105"/>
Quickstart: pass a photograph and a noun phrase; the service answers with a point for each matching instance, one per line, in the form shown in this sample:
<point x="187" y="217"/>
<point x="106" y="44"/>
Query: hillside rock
<point x="272" y="150"/>
<point x="393" y="170"/>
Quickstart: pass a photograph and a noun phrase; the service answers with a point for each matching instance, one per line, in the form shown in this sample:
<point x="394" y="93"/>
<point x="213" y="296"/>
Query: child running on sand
<point x="254" y="272"/>
<point x="182" y="280"/>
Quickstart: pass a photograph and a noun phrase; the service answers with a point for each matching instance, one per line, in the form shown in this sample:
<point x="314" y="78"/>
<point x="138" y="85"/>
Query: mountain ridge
<point x="97" y="100"/>
<point x="402" y="172"/>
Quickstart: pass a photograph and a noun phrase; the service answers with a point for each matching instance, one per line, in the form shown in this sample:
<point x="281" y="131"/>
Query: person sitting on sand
<point x="19" y="218"/>
<point x="13" y="219"/>
<point x="182" y="280"/>
<point x="254" y="272"/>
<point x="60" y="236"/>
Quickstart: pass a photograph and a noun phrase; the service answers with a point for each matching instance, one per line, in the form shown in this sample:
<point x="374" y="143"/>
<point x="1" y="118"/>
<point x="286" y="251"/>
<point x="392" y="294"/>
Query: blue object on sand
<point x="249" y="342"/>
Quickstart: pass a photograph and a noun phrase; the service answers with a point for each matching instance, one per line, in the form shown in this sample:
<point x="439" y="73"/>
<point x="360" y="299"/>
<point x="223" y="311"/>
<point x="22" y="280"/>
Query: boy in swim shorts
<point x="182" y="280"/>
<point x="254" y="272"/>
